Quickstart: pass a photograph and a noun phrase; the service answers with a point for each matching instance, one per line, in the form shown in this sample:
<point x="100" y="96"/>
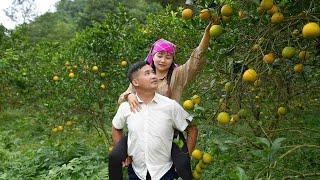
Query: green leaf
<point x="180" y="143"/>
<point x="264" y="141"/>
<point x="198" y="108"/>
<point x="241" y="174"/>
<point x="258" y="153"/>
<point x="276" y="144"/>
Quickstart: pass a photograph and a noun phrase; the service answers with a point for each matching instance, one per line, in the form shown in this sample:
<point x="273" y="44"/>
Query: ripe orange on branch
<point x="124" y="64"/>
<point x="205" y="14"/>
<point x="277" y="18"/>
<point x="55" y="130"/>
<point x="298" y="68"/>
<point x="188" y="105"/>
<point x="207" y="158"/>
<point x="269" y="58"/>
<point x="187" y="14"/>
<point x="56" y="78"/>
<point x="311" y="30"/>
<point x="197" y="154"/>
<point x="103" y="87"/>
<point x="71" y="75"/>
<point x="266" y="4"/>
<point x="250" y="75"/>
<point x="95" y="69"/>
<point x="60" y="128"/>
<point x="226" y="10"/>
<point x="223" y="118"/>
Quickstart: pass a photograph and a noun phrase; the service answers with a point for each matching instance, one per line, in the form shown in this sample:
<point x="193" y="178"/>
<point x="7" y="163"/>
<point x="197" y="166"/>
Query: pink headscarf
<point x="161" y="45"/>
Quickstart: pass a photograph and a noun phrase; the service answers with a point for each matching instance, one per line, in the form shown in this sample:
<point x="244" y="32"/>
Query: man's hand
<point x="127" y="162"/>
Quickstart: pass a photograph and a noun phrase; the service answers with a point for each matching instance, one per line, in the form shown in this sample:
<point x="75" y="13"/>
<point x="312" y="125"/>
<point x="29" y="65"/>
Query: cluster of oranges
<point x="60" y="128"/>
<point x="190" y="103"/>
<point x="207" y="15"/>
<point x="94" y="69"/>
<point x="204" y="159"/>
<point x="272" y="9"/>
<point x="224" y="118"/>
<point x="310" y="30"/>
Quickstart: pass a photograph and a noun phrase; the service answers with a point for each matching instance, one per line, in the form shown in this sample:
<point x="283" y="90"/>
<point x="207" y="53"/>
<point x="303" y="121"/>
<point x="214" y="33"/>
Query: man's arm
<point x="116" y="135"/>
<point x="192" y="134"/>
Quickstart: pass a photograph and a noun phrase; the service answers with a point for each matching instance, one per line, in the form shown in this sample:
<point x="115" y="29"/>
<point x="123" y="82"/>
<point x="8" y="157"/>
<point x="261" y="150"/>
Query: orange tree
<point x="81" y="80"/>
<point x="256" y="106"/>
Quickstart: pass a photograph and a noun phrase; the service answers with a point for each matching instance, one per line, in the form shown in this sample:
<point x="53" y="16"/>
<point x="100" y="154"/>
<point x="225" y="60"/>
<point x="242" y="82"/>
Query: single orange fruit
<point x="249" y="75"/>
<point x="71" y="75"/>
<point x="311" y="30"/>
<point x="124" y="63"/>
<point x="298" y="68"/>
<point x="188" y="104"/>
<point x="207" y="158"/>
<point x="205" y="14"/>
<point x="223" y="118"/>
<point x="187" y="14"/>
<point x="288" y="52"/>
<point x="226" y="10"/>
<point x="269" y="58"/>
<point x="266" y="4"/>
<point x="95" y="68"/>
<point x="277" y="18"/>
<point x="282" y="110"/>
<point x="56" y="78"/>
<point x="215" y="30"/>
<point x="196" y="154"/>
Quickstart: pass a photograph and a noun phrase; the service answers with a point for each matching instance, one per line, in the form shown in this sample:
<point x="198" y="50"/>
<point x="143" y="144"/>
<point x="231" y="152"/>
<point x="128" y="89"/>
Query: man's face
<point x="146" y="79"/>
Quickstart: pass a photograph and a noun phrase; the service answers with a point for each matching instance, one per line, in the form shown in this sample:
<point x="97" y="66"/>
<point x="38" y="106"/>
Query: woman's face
<point x="162" y="61"/>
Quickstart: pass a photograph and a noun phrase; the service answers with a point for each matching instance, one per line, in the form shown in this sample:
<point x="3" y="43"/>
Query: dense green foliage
<point x="87" y="33"/>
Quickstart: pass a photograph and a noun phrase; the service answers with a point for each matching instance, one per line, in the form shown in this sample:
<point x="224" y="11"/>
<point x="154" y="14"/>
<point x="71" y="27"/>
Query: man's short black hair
<point x="135" y="68"/>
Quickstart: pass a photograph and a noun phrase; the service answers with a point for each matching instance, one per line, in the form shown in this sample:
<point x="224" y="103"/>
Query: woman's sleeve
<point x="124" y="95"/>
<point x="184" y="74"/>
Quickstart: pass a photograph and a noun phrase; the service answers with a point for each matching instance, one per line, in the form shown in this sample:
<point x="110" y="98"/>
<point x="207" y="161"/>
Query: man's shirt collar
<point x="155" y="98"/>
